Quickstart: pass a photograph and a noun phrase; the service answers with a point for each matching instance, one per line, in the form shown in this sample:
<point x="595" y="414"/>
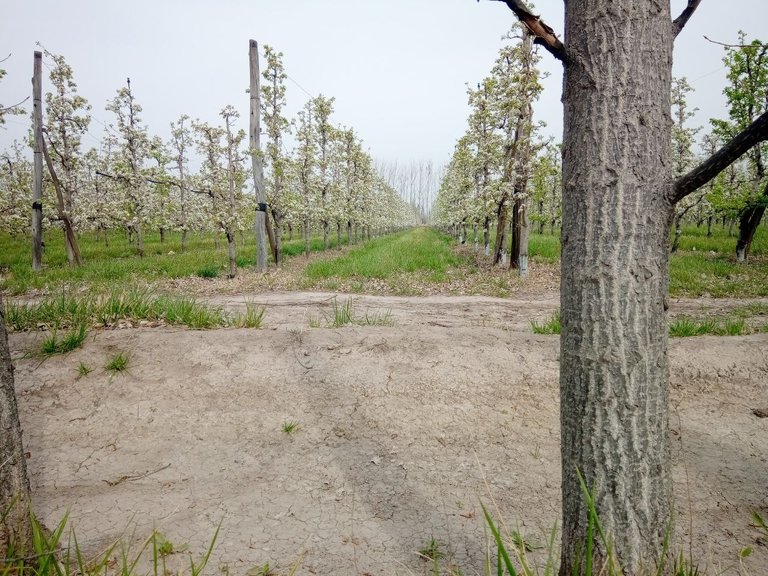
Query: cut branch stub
<point x="679" y="23"/>
<point x="543" y="35"/>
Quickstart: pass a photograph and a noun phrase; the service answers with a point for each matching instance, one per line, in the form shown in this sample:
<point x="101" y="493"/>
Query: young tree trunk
<point x="278" y="218"/>
<point x="231" y="252"/>
<point x="616" y="216"/>
<point x="70" y="240"/>
<point x="749" y="220"/>
<point x="338" y="235"/>
<point x="522" y="259"/>
<point x="349" y="232"/>
<point x="514" y="245"/>
<point x="305" y="231"/>
<point x="16" y="526"/>
<point x="487" y="235"/>
<point x="139" y="239"/>
<point x="709" y="227"/>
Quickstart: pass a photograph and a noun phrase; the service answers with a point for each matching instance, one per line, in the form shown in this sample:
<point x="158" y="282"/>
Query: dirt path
<point x="403" y="429"/>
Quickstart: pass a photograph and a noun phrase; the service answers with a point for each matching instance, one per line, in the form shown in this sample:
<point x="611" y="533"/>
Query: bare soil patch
<point x="403" y="430"/>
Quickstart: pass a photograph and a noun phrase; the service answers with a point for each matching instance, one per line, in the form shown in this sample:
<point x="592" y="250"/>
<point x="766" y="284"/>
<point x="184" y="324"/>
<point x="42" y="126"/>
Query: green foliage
<point x="747" y="66"/>
<point x="208" y="272"/>
<point x="685" y="327"/>
<point x="52" y="556"/>
<point x="107" y="266"/>
<point x="418" y="249"/>
<point x="131" y="305"/>
<point x="544" y="248"/>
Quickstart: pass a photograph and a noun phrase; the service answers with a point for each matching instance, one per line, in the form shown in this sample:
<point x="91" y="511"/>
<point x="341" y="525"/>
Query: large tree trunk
<point x="614" y="366"/>
<point x="16" y="527"/>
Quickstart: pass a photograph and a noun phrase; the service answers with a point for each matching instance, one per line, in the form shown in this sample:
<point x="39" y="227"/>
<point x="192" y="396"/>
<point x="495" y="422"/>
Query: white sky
<point x="397" y="68"/>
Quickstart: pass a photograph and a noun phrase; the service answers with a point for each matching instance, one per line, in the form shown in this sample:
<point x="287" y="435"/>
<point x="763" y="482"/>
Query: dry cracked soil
<point x="402" y="430"/>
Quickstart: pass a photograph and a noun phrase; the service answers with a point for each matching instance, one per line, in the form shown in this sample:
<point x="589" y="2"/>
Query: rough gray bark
<point x="16" y="528"/>
<point x="616" y="216"/>
<point x="37" y="190"/>
<point x="258" y="167"/>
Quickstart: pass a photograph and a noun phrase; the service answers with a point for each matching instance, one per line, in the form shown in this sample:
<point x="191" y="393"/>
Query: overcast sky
<point x="397" y="68"/>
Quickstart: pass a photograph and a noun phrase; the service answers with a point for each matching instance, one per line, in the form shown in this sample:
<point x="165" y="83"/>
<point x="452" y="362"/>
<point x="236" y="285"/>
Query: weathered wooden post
<point x="258" y="165"/>
<point x="37" y="188"/>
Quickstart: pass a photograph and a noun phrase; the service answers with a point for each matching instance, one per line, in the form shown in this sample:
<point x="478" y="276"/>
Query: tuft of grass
<point x="372" y="318"/>
<point x="551" y="326"/>
<point x="209" y="272"/>
<point x="511" y="550"/>
<point x="290" y="426"/>
<point x="343" y="314"/>
<point x="687" y="327"/>
<point x="83" y="370"/>
<point x="253" y="317"/>
<point x="118" y="363"/>
<point x="70" y="341"/>
<point x="118" y="305"/>
<point x="431" y="551"/>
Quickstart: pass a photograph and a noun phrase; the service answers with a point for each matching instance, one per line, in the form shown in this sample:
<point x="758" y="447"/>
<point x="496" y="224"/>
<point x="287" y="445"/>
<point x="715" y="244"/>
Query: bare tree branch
<point x="13" y="107"/>
<point x="734" y="45"/>
<point x="543" y="34"/>
<point x="754" y="134"/>
<point x="679" y="23"/>
<point x="167" y="182"/>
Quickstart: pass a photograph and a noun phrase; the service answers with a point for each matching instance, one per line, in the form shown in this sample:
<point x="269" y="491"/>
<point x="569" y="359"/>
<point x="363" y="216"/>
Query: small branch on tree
<point x="543" y="34"/>
<point x="735" y="45"/>
<point x="13" y="107"/>
<point x="754" y="134"/>
<point x="679" y="23"/>
<point x="168" y="182"/>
